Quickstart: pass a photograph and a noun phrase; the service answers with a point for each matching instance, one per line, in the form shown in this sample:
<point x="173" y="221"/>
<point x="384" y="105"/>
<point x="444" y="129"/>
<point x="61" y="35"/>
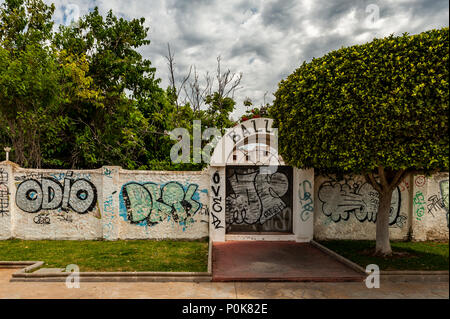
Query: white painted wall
<point x="347" y="209"/>
<point x="322" y="208"/>
<point x="430" y="207"/>
<point x="31" y="217"/>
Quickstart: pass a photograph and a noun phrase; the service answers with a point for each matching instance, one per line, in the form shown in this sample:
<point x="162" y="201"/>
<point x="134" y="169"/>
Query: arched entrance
<point x="254" y="194"/>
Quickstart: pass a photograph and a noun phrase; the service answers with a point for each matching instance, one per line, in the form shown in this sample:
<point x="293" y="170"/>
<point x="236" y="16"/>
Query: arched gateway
<point x="254" y="195"/>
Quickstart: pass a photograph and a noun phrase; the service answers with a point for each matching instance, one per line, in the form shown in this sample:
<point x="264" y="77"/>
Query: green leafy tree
<point x="378" y="109"/>
<point x="219" y="110"/>
<point x="128" y="129"/>
<point x="36" y="82"/>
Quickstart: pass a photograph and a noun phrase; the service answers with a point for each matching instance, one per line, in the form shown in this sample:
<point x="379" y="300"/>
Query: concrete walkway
<point x="218" y="290"/>
<point x="277" y="261"/>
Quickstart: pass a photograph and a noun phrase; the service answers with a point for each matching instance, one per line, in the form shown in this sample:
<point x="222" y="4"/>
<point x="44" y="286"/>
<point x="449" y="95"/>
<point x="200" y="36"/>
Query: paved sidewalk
<point x="296" y="290"/>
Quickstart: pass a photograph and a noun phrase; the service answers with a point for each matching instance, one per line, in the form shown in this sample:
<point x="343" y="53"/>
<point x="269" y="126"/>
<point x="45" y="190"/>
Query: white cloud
<point x="266" y="40"/>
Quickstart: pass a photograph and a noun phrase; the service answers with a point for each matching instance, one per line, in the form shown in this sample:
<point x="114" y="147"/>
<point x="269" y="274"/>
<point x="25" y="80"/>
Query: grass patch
<point x="133" y="255"/>
<point x="406" y="255"/>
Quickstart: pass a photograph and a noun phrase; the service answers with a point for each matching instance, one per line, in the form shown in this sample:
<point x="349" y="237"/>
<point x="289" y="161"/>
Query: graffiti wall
<point x="108" y="203"/>
<point x="163" y="205"/>
<point x="5" y="202"/>
<point x="430" y="207"/>
<point x="55" y="204"/>
<point x="347" y="209"/>
<point x="111" y="203"/>
<point x="259" y="199"/>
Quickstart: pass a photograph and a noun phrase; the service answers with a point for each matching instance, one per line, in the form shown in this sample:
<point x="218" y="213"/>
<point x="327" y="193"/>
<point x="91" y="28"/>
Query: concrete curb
<point x="391" y="276"/>
<point x="25" y="274"/>
<point x="339" y="258"/>
<point x="26" y="266"/>
<point x="415" y="276"/>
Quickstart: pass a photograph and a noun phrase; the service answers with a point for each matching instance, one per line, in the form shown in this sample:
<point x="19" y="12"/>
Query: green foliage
<point x="255" y="112"/>
<point x="36" y="83"/>
<point x="381" y="104"/>
<point x="128" y="128"/>
<point x="82" y="97"/>
<point x="219" y="110"/>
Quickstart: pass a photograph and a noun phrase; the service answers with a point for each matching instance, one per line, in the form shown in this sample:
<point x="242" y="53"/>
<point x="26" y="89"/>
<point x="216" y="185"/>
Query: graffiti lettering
<point x="64" y="217"/>
<point x="256" y="195"/>
<point x="419" y="204"/>
<point x="306" y="201"/>
<point x="4" y="193"/>
<point x="151" y="204"/>
<point x="341" y="199"/>
<point x="79" y="195"/>
<point x="217" y="200"/>
<point x="439" y="202"/>
<point x="42" y="219"/>
<point x="216" y="221"/>
<point x="443" y="186"/>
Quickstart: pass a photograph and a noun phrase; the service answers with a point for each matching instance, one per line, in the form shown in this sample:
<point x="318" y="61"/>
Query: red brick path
<point x="277" y="261"/>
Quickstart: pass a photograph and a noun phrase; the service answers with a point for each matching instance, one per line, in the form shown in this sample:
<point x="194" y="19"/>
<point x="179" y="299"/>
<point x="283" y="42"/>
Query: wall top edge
<point x="100" y="170"/>
<point x="125" y="171"/>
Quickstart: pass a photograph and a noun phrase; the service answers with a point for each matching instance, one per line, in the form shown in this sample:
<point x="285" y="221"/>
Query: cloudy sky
<point x="266" y="40"/>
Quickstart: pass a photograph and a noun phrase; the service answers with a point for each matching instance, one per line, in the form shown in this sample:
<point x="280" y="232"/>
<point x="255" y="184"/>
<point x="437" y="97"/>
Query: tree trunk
<point x="383" y="245"/>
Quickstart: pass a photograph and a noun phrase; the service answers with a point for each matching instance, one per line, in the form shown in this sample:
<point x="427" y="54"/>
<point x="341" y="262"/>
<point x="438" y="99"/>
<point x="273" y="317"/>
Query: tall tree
<point x="129" y="127"/>
<point x="378" y="109"/>
<point x="35" y="83"/>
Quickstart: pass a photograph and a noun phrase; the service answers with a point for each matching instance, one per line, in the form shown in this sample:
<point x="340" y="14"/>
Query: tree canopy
<point x="380" y="104"/>
<point x="378" y="109"/>
<point x="83" y="96"/>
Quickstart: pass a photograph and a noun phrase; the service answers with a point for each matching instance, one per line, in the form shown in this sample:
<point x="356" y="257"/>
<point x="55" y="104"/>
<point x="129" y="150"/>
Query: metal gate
<point x="258" y="199"/>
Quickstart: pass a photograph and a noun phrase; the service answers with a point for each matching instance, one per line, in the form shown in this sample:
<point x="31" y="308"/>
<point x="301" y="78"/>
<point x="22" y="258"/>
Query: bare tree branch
<point x="171" y="66"/>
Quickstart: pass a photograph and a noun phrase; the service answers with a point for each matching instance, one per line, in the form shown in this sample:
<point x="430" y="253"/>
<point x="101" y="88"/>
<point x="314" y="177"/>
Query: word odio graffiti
<point x="78" y="195"/>
<point x="151" y="204"/>
<point x="341" y="199"/>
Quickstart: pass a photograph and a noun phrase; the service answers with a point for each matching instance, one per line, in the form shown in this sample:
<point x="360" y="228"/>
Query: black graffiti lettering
<point x="217" y="201"/>
<point x="83" y="196"/>
<point x="216" y="221"/>
<point x="217" y="207"/>
<point x="4" y="193"/>
<point x="215" y="190"/>
<point x="52" y="194"/>
<point x="79" y="195"/>
<point x="256" y="195"/>
<point x="216" y="178"/>
<point x="42" y="219"/>
<point x="341" y="199"/>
